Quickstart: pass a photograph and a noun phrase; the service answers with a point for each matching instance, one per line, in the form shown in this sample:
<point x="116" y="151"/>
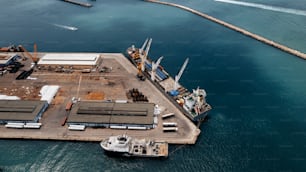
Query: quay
<point x="100" y="93"/>
<point x="79" y="3"/>
<point x="237" y="29"/>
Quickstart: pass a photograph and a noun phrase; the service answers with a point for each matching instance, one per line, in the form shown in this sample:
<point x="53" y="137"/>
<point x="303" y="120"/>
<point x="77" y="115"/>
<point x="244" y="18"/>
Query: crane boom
<point x="144" y="56"/>
<point x="148" y="47"/>
<point x="35" y="51"/>
<point x="143" y="46"/>
<point x="154" y="67"/>
<point x="182" y="68"/>
<point x="178" y="76"/>
<point x="34" y="59"/>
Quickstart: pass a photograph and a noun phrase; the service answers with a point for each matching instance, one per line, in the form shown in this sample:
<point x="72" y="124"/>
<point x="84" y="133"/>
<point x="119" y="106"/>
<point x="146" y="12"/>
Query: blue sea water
<point x="258" y="92"/>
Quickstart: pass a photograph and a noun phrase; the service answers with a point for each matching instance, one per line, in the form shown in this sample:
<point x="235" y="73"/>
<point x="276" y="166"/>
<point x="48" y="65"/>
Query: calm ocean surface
<point x="258" y="93"/>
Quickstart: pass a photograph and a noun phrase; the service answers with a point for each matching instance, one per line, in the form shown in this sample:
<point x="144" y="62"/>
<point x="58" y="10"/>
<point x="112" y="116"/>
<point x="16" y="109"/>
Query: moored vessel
<point x="124" y="145"/>
<point x="192" y="104"/>
<point x="11" y="48"/>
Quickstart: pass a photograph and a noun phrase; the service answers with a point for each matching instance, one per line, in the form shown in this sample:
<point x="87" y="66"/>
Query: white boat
<point x="66" y="27"/>
<point x="124" y="145"/>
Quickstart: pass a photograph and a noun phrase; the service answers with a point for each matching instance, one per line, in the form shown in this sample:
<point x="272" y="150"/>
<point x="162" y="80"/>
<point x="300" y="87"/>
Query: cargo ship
<point x="11" y="48"/>
<point x="124" y="145"/>
<point x="192" y="104"/>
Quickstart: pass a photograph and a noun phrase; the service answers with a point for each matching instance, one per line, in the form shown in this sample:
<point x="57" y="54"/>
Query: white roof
<point x="48" y="92"/>
<point x="69" y="59"/>
<point x="5" y="97"/>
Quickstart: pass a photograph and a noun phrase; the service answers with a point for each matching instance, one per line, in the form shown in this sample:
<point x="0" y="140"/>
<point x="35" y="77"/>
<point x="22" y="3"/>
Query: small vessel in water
<point x="66" y="27"/>
<point x="124" y="145"/>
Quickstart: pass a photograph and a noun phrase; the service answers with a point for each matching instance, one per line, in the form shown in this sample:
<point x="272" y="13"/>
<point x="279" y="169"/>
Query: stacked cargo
<point x="137" y="96"/>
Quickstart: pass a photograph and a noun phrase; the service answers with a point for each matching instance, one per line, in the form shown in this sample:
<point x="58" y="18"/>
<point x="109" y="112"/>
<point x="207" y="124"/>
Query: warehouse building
<point x="21" y="110"/>
<point x="68" y="60"/>
<point x="113" y="115"/>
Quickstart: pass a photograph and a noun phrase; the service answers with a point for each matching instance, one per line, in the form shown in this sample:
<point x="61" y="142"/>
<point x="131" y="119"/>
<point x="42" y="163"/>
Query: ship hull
<point x="125" y="154"/>
<point x="115" y="154"/>
<point x="129" y="147"/>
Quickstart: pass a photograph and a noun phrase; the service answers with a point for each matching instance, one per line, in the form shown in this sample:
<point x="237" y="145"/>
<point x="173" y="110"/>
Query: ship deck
<point x="94" y="86"/>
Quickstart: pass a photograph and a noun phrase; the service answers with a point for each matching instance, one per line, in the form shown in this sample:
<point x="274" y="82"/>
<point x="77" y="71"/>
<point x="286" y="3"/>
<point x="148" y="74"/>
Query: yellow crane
<point x="34" y="58"/>
<point x="143" y="58"/>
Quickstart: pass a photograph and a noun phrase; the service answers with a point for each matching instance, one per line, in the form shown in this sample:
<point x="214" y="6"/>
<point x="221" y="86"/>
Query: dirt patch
<point x="95" y="96"/>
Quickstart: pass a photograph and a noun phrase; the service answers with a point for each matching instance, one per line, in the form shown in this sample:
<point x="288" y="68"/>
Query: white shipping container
<point x="13" y="126"/>
<point x="137" y="128"/>
<point x="33" y="123"/>
<point x="32" y="126"/>
<point x="170" y="129"/>
<point x="172" y="124"/>
<point x="77" y="127"/>
<point x="117" y="127"/>
<point x="120" y="101"/>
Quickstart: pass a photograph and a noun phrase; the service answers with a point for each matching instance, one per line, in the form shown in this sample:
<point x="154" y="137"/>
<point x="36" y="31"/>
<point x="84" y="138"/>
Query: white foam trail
<point x="266" y="7"/>
<point x="66" y="27"/>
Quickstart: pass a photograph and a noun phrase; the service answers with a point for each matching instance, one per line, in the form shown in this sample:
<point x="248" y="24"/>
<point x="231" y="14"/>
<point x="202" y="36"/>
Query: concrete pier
<point x="95" y="86"/>
<point x="237" y="29"/>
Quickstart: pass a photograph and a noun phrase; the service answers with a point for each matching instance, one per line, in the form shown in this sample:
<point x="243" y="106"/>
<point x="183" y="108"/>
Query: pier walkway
<point x="237" y="29"/>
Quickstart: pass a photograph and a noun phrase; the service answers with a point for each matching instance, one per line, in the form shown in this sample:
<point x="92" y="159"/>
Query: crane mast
<point x="143" y="46"/>
<point x="145" y="55"/>
<point x="34" y="57"/>
<point x="178" y="76"/>
<point x="154" y="67"/>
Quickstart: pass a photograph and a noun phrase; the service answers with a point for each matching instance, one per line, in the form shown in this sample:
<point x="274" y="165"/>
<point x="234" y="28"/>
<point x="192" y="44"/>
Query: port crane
<point x="34" y="57"/>
<point x="154" y="67"/>
<point x="143" y="57"/>
<point x="174" y="92"/>
<point x="138" y="52"/>
<point x="143" y="46"/>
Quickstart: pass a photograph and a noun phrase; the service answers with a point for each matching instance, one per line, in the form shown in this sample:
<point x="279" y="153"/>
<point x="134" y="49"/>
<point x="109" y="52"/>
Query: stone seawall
<point x="237" y="29"/>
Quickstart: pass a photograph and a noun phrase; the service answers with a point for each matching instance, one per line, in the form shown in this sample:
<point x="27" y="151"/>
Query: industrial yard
<point x="94" y="90"/>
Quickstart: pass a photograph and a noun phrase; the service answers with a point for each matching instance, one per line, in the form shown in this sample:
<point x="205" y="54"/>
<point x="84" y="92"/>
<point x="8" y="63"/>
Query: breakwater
<point x="78" y="3"/>
<point x="237" y="29"/>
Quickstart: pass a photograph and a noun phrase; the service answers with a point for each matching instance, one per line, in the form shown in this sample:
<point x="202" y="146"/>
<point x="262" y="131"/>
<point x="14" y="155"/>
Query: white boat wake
<point x="266" y="7"/>
<point x="66" y="27"/>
